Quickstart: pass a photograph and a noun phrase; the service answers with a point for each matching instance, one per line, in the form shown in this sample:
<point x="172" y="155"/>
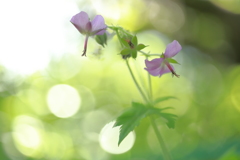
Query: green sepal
<point x="101" y="39"/>
<point x="134" y="40"/>
<point x="126" y="51"/>
<point x="134" y="53"/>
<point x="140" y="47"/>
<point x="125" y="43"/>
<point x="170" y="60"/>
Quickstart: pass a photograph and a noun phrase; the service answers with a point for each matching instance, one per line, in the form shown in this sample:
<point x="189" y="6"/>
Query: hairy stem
<point x="150" y="86"/>
<point x="149" y="55"/>
<point x="119" y="38"/>
<point x="136" y="83"/>
<point x="166" y="153"/>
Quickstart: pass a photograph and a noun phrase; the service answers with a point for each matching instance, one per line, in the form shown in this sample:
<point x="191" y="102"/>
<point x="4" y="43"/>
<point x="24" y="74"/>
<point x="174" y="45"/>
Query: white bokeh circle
<point x="109" y="140"/>
<point x="63" y="100"/>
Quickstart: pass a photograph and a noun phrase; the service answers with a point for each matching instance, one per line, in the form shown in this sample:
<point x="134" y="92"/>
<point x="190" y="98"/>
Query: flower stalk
<point x="166" y="153"/>
<point x="130" y="49"/>
<point x="89" y="28"/>
<point x="136" y="83"/>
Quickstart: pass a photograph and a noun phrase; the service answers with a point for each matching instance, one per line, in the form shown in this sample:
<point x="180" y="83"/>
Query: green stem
<point x="149" y="55"/>
<point x="136" y="83"/>
<point x="150" y="86"/>
<point x="166" y="153"/>
<point x="119" y="38"/>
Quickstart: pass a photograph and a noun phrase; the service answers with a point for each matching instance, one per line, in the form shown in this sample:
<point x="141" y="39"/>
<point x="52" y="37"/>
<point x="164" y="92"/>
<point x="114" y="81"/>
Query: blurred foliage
<point x="208" y="90"/>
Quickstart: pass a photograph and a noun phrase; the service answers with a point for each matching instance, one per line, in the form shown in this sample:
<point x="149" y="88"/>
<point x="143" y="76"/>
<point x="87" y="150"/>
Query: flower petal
<point x="164" y="69"/>
<point x="153" y="64"/>
<point x="172" y="49"/>
<point x="153" y="72"/>
<point x="101" y="32"/>
<point x="80" y="21"/>
<point x="159" y="70"/>
<point x="98" y="25"/>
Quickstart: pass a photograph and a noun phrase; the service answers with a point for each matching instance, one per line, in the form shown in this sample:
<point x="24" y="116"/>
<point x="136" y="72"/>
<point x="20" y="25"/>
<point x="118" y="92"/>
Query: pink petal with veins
<point x="172" y="49"/>
<point x="153" y="64"/>
<point x="80" y="21"/>
<point x="98" y="25"/>
<point x="153" y="72"/>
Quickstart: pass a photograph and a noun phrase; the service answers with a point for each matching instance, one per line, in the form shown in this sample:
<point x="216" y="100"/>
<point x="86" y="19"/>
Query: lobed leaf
<point x="170" y="118"/>
<point x="129" y="119"/>
<point x="132" y="117"/>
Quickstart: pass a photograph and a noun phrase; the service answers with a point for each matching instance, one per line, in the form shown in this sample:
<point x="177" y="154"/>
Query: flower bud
<point x="101" y="39"/>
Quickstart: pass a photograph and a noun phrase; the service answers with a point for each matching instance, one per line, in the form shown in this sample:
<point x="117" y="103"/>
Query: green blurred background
<point x="57" y="105"/>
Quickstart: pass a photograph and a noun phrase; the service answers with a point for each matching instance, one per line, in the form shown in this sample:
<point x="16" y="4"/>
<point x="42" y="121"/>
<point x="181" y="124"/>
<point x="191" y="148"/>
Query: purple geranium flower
<point x="160" y="66"/>
<point x="89" y="28"/>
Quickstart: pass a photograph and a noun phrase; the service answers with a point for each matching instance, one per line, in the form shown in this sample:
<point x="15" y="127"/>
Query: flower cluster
<point x="130" y="48"/>
<point x="155" y="67"/>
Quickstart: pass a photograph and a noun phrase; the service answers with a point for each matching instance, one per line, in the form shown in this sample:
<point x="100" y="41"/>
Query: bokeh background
<point x="57" y="105"/>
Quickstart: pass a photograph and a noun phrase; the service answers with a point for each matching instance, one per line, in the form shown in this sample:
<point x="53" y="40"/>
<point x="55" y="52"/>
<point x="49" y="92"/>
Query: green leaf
<point x="132" y="117"/>
<point x="129" y="119"/>
<point x="140" y="47"/>
<point x="134" y="53"/>
<point x="134" y="40"/>
<point x="170" y="60"/>
<point x="160" y="99"/>
<point x="170" y="118"/>
<point x="166" y="108"/>
<point x="126" y="51"/>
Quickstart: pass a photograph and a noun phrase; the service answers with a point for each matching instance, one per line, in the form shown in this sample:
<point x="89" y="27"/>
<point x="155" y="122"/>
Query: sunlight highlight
<point x="116" y="9"/>
<point x="166" y="16"/>
<point x="33" y="31"/>
<point x="63" y="100"/>
<point x="27" y="134"/>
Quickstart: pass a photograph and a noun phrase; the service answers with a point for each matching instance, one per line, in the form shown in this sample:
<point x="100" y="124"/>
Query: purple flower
<point x="89" y="28"/>
<point x="160" y="66"/>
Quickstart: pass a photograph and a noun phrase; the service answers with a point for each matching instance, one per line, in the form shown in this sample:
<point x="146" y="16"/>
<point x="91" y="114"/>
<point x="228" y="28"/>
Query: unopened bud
<point x="101" y="39"/>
